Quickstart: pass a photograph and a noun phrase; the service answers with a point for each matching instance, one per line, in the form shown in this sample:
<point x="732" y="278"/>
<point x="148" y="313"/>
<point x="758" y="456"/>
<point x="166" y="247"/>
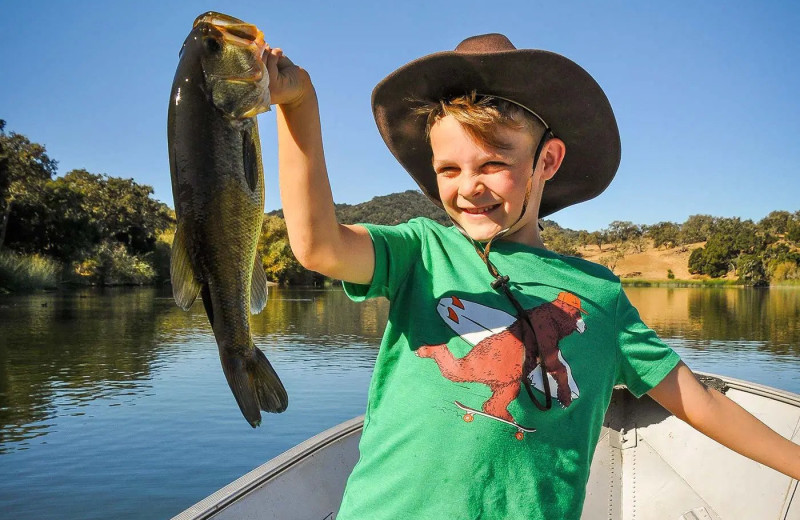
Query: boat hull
<point x="648" y="465"/>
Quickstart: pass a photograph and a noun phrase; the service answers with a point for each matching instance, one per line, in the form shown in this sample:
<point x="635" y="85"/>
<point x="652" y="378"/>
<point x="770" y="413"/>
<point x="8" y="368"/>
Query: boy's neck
<point x="520" y="237"/>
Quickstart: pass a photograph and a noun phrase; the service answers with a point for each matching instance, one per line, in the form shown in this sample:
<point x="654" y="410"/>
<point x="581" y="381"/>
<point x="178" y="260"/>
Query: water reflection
<point x="58" y="352"/>
<point x="766" y="318"/>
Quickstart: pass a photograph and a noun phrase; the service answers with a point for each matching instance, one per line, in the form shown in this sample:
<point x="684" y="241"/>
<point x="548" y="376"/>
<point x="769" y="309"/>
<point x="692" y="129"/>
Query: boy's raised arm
<point x="718" y="417"/>
<point x="318" y="241"/>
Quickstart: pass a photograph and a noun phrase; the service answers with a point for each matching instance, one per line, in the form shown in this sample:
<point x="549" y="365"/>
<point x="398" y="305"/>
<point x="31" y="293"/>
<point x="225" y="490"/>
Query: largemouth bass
<point x="220" y="85"/>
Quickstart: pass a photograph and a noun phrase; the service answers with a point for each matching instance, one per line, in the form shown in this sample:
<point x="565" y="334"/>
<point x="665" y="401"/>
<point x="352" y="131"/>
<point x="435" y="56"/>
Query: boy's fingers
<point x="284" y="62"/>
<point x="272" y="64"/>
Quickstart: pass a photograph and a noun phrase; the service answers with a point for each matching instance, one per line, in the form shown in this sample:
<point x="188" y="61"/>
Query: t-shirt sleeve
<point x="397" y="248"/>
<point x="643" y="359"/>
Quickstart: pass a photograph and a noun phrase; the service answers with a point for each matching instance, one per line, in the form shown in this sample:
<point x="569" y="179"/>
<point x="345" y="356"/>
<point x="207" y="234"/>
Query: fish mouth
<point x="221" y="30"/>
<point x="232" y="31"/>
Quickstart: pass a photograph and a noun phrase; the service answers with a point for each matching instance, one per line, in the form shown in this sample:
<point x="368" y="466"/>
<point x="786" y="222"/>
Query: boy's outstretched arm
<point x="721" y="419"/>
<point x="318" y="241"/>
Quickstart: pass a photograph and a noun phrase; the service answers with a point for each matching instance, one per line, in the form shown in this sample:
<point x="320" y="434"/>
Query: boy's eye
<point x="447" y="170"/>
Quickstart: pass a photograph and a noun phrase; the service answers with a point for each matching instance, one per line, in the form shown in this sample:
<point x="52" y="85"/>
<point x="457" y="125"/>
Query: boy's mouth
<point x="481" y="210"/>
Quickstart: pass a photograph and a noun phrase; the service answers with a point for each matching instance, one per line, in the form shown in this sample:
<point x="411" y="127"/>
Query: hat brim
<point x="566" y="97"/>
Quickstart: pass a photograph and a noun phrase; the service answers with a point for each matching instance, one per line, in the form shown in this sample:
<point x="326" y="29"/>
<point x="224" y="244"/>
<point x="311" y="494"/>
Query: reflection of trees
<point x="326" y="316"/>
<point x="55" y="359"/>
<point x="59" y="352"/>
<point x="64" y="351"/>
<point x="771" y="316"/>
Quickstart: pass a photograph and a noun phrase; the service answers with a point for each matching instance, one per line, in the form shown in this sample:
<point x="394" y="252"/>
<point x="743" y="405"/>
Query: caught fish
<point x="221" y="84"/>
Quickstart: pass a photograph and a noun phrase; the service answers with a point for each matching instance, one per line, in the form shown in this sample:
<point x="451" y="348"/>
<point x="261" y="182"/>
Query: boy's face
<point x="482" y="187"/>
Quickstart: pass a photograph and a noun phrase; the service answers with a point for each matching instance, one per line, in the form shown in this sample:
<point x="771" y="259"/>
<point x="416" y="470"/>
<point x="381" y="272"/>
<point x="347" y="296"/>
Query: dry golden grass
<point x="652" y="264"/>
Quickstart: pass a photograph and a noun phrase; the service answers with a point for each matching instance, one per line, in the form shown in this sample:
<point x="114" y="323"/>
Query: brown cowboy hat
<point x="564" y="96"/>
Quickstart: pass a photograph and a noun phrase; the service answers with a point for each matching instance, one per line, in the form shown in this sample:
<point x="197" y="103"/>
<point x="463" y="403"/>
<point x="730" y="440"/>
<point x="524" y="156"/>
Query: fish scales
<point x="218" y="187"/>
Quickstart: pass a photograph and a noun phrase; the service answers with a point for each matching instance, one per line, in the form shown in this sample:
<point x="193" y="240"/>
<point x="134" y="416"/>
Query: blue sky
<point x="705" y="93"/>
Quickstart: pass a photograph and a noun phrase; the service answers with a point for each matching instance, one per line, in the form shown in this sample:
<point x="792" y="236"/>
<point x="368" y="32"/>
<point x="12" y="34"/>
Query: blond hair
<point x="481" y="115"/>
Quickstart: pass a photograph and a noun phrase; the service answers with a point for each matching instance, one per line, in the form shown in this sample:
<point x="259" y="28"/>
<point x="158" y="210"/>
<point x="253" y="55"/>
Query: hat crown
<point x="485" y="43"/>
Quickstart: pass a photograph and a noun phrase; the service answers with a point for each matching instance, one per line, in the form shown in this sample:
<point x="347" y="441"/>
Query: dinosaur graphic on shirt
<point x="503" y="349"/>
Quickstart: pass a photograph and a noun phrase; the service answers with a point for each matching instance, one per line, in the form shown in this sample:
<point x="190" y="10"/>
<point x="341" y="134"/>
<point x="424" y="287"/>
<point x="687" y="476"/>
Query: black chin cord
<point x="500" y="284"/>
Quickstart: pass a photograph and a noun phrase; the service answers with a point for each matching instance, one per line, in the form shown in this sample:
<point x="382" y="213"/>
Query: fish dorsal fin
<point x="185" y="286"/>
<point x="258" y="288"/>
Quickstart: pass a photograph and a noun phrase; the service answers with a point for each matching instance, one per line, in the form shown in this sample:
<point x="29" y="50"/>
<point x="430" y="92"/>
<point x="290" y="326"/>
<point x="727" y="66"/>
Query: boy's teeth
<point x="476" y="211"/>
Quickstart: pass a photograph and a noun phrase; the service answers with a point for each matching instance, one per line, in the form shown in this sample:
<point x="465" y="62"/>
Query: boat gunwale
<point x="259" y="476"/>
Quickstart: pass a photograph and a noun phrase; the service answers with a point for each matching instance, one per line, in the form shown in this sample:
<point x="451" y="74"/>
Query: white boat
<point x="648" y="465"/>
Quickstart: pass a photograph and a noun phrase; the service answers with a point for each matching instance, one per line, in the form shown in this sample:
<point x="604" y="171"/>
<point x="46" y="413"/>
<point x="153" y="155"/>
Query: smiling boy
<point x="499" y="357"/>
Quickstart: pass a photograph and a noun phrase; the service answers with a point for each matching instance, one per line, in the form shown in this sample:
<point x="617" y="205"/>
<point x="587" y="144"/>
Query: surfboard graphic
<point x="472" y="321"/>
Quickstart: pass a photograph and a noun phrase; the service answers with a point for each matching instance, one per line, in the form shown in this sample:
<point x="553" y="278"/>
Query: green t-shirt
<point x="448" y="427"/>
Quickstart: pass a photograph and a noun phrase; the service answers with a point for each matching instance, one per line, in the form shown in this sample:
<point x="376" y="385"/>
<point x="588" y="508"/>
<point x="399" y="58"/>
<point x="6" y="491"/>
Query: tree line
<point x="95" y="228"/>
<point x="756" y="253"/>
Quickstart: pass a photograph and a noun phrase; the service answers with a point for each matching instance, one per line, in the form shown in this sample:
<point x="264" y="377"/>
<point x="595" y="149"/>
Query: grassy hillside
<point x="388" y="210"/>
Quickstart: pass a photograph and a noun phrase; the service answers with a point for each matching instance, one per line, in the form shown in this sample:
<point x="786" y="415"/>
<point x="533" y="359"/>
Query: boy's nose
<point x="470" y="185"/>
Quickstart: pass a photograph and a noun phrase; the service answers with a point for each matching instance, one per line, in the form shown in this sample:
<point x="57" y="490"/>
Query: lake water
<point x="113" y="403"/>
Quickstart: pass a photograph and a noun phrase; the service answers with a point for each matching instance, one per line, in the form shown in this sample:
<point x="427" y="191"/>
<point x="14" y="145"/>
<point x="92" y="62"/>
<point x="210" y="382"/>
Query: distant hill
<point x="388" y="210"/>
<point x="399" y="207"/>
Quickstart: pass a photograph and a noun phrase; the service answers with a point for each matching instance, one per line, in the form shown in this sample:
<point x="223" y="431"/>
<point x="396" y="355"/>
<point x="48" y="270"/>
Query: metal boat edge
<point x="273" y="468"/>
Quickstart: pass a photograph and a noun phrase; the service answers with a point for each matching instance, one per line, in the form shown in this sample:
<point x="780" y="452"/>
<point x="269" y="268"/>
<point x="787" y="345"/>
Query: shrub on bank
<point x="27" y="272"/>
<point x="786" y="272"/>
<point x="111" y="264"/>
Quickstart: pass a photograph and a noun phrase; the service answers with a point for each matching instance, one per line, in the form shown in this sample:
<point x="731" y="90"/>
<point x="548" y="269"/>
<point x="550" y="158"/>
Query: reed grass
<point x="22" y="273"/>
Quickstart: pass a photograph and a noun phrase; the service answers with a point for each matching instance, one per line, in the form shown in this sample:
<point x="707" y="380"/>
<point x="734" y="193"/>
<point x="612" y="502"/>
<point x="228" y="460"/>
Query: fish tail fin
<point x="254" y="384"/>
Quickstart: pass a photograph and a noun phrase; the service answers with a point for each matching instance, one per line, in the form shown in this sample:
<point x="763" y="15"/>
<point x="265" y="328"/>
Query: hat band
<point x="534" y="114"/>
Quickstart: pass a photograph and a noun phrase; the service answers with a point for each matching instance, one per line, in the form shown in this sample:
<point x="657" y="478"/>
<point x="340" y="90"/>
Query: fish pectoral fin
<point x="185" y="286"/>
<point x="258" y="288"/>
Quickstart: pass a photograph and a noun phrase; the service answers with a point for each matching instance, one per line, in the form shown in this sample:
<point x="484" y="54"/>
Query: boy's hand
<point x="288" y="83"/>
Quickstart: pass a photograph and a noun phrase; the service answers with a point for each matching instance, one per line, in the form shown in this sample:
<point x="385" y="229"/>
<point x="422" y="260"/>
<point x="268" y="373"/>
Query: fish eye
<point x="212" y="45"/>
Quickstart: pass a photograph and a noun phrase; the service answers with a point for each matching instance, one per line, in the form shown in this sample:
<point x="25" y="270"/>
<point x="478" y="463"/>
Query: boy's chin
<point x="479" y="233"/>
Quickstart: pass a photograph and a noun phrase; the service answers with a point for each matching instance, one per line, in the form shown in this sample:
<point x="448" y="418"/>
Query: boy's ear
<point x="551" y="157"/>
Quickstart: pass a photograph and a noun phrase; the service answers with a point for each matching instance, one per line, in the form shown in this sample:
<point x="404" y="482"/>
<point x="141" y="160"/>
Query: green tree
<point x="121" y="209"/>
<point x="781" y="261"/>
<point x="776" y="223"/>
<point x="584" y="238"/>
<point x="666" y="234"/>
<point x="110" y="263"/>
<point x="793" y="229"/>
<point x="697" y="228"/>
<point x="622" y="230"/>
<point x="731" y="239"/>
<point x="558" y="241"/>
<point x="750" y="269"/>
<point x="276" y="255"/>
<point x="24" y="169"/>
<point x="599" y="237"/>
<point x="611" y="260"/>
<point x="52" y="221"/>
<point x="69" y="217"/>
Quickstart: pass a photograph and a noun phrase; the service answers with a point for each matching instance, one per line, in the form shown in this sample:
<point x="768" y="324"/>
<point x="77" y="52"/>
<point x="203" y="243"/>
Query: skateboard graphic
<point x="469" y="416"/>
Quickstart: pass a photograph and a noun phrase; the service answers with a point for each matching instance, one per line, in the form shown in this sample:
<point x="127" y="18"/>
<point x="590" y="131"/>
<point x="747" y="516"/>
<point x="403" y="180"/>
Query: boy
<point x="483" y="319"/>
